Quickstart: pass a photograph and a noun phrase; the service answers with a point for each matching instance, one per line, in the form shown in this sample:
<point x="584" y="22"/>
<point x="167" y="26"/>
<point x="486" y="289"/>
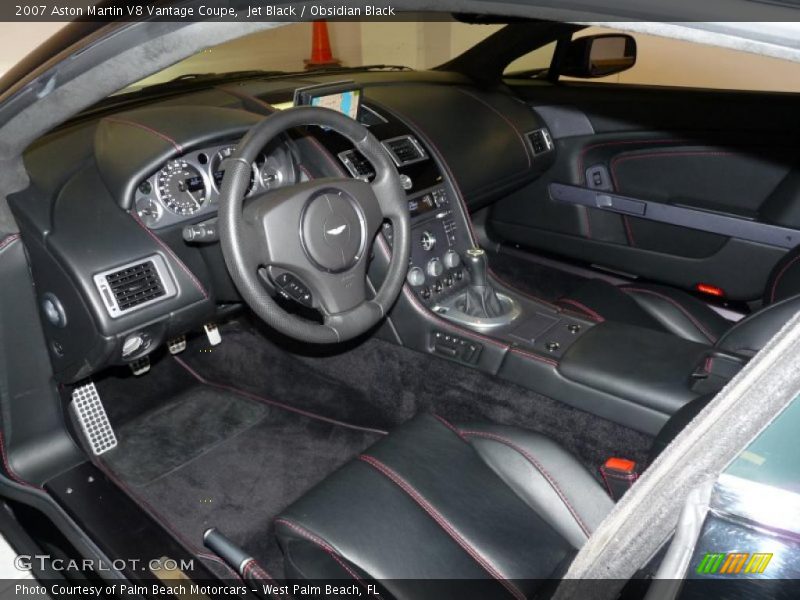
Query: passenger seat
<point x="669" y="309"/>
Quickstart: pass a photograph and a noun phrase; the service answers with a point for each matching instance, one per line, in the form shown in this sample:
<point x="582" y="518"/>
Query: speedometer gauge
<point x="181" y="187"/>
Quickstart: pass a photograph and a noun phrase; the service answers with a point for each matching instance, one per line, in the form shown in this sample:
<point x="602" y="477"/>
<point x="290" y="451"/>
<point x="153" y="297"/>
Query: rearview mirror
<point x="599" y="55"/>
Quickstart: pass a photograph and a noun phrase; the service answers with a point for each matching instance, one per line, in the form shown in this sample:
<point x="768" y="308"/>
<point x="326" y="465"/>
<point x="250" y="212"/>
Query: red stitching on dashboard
<point x="539" y="467"/>
<point x="146" y="128"/>
<point x="506" y="119"/>
<point x="443" y="523"/>
<point x="174" y="256"/>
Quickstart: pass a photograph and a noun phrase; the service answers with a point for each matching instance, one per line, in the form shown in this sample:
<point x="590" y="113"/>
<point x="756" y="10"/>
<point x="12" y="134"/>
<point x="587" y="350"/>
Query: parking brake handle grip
<point x="236" y="558"/>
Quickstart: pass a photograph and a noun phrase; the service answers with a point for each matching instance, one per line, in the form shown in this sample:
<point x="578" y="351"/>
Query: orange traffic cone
<point x="321" y="55"/>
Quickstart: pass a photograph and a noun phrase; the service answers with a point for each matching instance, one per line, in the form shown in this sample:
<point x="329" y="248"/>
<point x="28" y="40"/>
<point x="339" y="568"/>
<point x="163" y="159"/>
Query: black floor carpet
<point x="545" y="282"/>
<point x="213" y="458"/>
<point x="214" y="437"/>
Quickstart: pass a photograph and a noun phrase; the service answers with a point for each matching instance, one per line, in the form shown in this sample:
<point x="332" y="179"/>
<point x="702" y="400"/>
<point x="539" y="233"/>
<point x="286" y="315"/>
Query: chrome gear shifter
<point x="480" y="299"/>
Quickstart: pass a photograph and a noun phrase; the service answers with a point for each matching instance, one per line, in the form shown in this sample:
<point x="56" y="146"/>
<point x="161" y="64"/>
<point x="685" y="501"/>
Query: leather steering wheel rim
<point x="255" y="235"/>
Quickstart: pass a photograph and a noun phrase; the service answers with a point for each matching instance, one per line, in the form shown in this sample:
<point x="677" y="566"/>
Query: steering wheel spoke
<point x="315" y="236"/>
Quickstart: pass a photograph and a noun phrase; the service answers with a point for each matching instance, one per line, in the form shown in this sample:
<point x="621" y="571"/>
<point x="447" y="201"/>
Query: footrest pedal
<point x="177" y="345"/>
<point x="140" y="366"/>
<point x="88" y="410"/>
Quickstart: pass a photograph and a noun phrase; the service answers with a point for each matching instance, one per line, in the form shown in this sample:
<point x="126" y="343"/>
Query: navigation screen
<point x="344" y="102"/>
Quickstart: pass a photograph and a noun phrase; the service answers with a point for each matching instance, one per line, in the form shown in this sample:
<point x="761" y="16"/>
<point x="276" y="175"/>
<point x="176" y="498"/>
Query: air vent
<point x="369" y="117"/>
<point x="405" y="150"/>
<point x="135" y="285"/>
<point x="540" y="140"/>
<point x="358" y="166"/>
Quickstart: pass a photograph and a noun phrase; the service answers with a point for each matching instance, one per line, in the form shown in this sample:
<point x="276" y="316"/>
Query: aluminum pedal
<point x="140" y="366"/>
<point x="90" y="414"/>
<point x="177" y="345"/>
<point x="213" y="334"/>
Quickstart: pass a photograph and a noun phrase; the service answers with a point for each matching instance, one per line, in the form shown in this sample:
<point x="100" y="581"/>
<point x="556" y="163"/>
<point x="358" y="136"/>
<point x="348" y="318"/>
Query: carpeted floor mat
<point x="212" y="458"/>
<point x="379" y="384"/>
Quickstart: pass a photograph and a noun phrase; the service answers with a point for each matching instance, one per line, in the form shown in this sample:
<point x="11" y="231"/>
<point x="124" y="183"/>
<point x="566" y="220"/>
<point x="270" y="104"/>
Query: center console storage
<point x="651" y="368"/>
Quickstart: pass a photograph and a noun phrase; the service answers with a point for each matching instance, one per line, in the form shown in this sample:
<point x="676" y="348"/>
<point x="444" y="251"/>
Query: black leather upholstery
<point x="433" y="501"/>
<point x="668" y="309"/>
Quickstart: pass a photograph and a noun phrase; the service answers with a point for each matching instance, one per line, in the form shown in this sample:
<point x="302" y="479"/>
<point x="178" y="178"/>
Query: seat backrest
<point x="784" y="279"/>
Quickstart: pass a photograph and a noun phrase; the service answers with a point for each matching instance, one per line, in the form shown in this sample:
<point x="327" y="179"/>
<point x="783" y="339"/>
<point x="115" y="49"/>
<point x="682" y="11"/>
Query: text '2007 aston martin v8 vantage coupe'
<point x="486" y="303"/>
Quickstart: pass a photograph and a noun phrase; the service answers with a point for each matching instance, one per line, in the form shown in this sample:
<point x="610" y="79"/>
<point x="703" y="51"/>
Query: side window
<point x="528" y="65"/>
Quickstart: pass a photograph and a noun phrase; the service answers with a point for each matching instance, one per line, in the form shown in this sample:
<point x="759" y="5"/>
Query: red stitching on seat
<point x="148" y="129"/>
<point x="595" y="315"/>
<point x="443" y="523"/>
<point x="777" y="277"/>
<point x="324" y="545"/>
<point x="217" y="559"/>
<point x="7" y="466"/>
<point x="539" y="467"/>
<point x="8" y="240"/>
<point x="449" y="425"/>
<point x="675" y="303"/>
<point x="258" y="572"/>
<point x="174" y="256"/>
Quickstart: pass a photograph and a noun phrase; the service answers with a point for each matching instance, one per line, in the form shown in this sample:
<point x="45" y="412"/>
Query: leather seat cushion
<point x="653" y="306"/>
<point x="434" y="501"/>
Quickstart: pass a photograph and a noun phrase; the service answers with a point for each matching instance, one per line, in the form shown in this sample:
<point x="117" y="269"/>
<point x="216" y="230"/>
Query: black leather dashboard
<point x="76" y="217"/>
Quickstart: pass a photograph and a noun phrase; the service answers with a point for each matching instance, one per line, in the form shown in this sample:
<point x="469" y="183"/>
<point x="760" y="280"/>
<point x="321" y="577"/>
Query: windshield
<point x="414" y="45"/>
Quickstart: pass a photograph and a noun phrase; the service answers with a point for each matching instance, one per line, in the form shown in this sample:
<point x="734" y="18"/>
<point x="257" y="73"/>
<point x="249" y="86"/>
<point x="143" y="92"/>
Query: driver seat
<point x="436" y="510"/>
<point x="673" y="311"/>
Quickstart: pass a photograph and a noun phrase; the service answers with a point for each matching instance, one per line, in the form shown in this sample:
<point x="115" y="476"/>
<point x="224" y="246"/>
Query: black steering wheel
<point x="313" y="239"/>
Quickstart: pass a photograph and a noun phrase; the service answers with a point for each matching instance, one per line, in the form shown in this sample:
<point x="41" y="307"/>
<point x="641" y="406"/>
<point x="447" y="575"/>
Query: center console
<point x="455" y="307"/>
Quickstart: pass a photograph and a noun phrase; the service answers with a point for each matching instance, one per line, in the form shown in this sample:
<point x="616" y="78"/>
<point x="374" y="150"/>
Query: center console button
<point x="451" y="259"/>
<point x="435" y="267"/>
<point x="415" y="276"/>
<point x="428" y="241"/>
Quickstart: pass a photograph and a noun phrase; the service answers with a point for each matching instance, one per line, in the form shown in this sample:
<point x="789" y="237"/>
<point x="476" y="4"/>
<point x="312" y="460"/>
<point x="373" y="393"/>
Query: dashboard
<point x="112" y="196"/>
<point x="189" y="185"/>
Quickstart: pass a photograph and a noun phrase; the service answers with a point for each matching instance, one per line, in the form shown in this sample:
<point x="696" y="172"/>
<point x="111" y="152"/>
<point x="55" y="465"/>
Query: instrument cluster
<point x="189" y="186"/>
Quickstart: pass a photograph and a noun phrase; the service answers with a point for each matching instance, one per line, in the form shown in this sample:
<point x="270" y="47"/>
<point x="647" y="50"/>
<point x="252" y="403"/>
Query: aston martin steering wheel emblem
<point x="336" y="230"/>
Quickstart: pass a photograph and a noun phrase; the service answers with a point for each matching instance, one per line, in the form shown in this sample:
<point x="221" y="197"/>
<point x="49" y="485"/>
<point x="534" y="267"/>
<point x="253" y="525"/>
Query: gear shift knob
<point x="477" y="264"/>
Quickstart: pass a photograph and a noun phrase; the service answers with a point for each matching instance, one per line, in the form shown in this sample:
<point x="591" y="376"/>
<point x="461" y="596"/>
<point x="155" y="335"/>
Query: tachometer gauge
<point x="217" y="172"/>
<point x="181" y="187"/>
<point x="148" y="210"/>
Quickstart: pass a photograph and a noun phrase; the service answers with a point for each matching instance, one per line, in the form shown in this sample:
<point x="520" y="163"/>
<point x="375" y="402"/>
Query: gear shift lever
<point x="480" y="299"/>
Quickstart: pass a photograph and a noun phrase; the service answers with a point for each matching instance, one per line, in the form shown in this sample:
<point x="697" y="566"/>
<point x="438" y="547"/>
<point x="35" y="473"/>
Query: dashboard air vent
<point x="135" y="285"/>
<point x="540" y="140"/>
<point x="358" y="166"/>
<point x="405" y="150"/>
<point x="369" y="117"/>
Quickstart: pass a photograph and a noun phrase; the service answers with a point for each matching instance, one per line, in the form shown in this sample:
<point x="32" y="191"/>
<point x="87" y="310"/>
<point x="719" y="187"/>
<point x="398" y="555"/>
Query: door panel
<point x="706" y="150"/>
